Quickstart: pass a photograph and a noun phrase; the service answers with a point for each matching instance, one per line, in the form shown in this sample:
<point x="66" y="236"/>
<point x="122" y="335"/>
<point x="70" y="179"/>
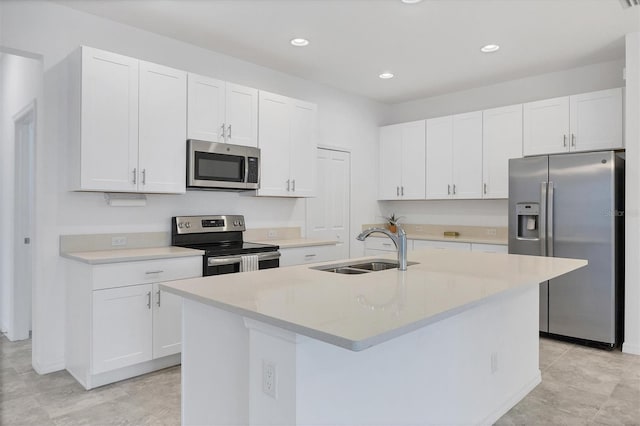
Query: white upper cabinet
<point x="108" y="121"/>
<point x="454" y="156"/>
<point x="222" y="112"/>
<point x="287" y="129"/>
<point x="402" y="161"/>
<point x="439" y="162"/>
<point x="546" y="126"/>
<point x="585" y="122"/>
<point x="206" y="108"/>
<point x="501" y="141"/>
<point x="162" y="129"/>
<point x="596" y="120"/>
<point x="467" y="155"/>
<point x="390" y="176"/>
<point x="128" y="124"/>
<point x="241" y="115"/>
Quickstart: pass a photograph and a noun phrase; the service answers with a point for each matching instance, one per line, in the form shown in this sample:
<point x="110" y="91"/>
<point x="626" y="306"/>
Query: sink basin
<point x="361" y="267"/>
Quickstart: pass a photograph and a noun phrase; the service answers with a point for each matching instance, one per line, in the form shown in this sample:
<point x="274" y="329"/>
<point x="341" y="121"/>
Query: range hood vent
<point x="629" y="3"/>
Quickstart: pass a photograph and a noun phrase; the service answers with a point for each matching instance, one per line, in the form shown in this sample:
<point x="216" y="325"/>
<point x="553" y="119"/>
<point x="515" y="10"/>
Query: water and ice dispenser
<point x="528" y="221"/>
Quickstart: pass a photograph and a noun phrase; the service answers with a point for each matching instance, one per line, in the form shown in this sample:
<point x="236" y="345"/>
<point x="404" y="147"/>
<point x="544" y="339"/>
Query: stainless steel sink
<point x="361" y="267"/>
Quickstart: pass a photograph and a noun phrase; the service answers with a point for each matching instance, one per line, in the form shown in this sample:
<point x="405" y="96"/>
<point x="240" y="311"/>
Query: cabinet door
<point x="163" y="129"/>
<point x="109" y="114"/>
<point x="274" y="137"/>
<point x="501" y="141"/>
<point x="441" y="245"/>
<point x="303" y="149"/>
<point x="413" y="160"/>
<point x="167" y="323"/>
<point x="467" y="155"/>
<point x="390" y="162"/>
<point x="121" y="326"/>
<point x="546" y="126"/>
<point x="242" y="115"/>
<point x="439" y="157"/>
<point x="596" y="120"/>
<point x="206" y="108"/>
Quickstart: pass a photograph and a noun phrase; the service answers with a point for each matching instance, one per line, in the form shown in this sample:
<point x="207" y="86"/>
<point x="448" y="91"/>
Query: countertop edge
<point x="470" y="240"/>
<point x="298" y="242"/>
<point x="91" y="257"/>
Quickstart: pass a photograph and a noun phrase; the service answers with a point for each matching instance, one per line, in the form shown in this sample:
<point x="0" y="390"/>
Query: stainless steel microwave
<point x="213" y="165"/>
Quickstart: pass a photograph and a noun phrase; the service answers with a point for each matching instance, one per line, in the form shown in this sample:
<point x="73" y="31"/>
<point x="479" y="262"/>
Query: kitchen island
<point x="452" y="340"/>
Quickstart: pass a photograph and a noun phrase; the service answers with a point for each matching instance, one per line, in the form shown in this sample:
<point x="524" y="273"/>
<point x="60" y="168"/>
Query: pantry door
<point x="328" y="212"/>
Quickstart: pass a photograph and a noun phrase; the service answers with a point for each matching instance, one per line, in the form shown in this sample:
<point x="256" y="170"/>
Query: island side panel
<point x="467" y="369"/>
<point x="215" y="361"/>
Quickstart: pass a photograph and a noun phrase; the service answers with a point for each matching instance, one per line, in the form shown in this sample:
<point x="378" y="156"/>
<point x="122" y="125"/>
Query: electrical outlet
<point x="270" y="379"/>
<point x="494" y="362"/>
<point x="491" y="231"/>
<point x="118" y="241"/>
<point x="272" y="233"/>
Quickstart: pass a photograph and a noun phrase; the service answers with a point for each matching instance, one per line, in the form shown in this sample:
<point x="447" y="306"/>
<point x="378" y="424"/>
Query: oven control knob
<point x="180" y="225"/>
<point x="236" y="223"/>
<point x="239" y="223"/>
<point x="187" y="225"/>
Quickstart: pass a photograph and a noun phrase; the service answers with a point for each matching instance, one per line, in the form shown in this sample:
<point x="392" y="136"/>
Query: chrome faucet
<point x="399" y="239"/>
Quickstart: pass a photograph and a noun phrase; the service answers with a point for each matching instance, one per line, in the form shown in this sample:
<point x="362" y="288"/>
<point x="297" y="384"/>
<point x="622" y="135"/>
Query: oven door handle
<point x="230" y="260"/>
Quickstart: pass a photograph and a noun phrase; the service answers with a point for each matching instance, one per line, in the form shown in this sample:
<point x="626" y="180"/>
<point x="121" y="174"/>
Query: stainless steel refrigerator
<point x="571" y="205"/>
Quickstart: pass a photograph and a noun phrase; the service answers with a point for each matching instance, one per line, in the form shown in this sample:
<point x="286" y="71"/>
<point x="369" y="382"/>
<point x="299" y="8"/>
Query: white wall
<point x="492" y="212"/>
<point x="632" y="197"/>
<point x="52" y="30"/>
<point x="20" y="82"/>
<point x="600" y="76"/>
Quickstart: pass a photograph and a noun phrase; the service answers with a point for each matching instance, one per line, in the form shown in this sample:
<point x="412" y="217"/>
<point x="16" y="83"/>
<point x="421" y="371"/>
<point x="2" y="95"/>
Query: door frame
<point x="24" y="154"/>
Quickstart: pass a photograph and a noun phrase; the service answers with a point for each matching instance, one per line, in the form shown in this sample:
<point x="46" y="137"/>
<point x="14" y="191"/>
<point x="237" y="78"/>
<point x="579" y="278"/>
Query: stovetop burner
<point x="233" y="248"/>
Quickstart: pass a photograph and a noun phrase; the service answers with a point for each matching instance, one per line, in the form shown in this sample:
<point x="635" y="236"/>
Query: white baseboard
<point x="47" y="368"/>
<point x="512" y="401"/>
<point x="631" y="348"/>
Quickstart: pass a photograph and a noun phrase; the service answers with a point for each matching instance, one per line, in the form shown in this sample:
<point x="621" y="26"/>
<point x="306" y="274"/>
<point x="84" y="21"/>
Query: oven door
<point x="231" y="264"/>
<point x="221" y="165"/>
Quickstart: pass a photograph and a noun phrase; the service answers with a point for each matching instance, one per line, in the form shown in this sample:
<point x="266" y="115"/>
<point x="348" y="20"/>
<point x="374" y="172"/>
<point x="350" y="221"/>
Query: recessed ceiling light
<point x="490" y="48"/>
<point x="411" y="1"/>
<point x="299" y="42"/>
<point x="386" y="75"/>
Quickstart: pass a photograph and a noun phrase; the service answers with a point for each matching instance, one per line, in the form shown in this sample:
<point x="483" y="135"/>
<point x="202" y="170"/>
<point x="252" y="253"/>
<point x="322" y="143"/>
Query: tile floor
<point x="580" y="386"/>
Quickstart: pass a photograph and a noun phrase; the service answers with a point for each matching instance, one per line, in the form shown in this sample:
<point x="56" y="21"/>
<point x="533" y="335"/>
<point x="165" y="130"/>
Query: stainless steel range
<point x="221" y="238"/>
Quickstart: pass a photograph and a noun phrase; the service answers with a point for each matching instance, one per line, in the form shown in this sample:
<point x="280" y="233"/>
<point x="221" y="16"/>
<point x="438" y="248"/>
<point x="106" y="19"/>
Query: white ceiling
<point x="433" y="47"/>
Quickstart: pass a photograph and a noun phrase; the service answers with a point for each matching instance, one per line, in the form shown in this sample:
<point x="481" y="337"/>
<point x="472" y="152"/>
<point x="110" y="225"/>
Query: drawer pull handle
<point x="154" y="272"/>
<point x="386" y="244"/>
<point x="149" y="299"/>
<point x="309" y="255"/>
<point x="158" y="303"/>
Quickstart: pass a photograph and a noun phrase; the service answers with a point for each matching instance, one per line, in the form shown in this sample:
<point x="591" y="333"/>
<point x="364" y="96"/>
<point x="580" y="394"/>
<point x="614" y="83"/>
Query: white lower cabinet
<point x="313" y="254"/>
<point x="490" y="248"/>
<point x="121" y="322"/>
<point x="441" y="245"/>
<point x="378" y="246"/>
<point x="129" y="328"/>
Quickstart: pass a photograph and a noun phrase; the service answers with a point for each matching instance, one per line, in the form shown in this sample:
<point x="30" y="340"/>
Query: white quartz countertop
<point x="298" y="242"/>
<point x="129" y="255"/>
<point x="359" y="311"/>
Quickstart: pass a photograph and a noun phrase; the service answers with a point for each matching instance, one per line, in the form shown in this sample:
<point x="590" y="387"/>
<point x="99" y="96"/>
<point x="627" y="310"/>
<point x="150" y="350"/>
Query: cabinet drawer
<point x="146" y="271"/>
<point x="441" y="245"/>
<point x="302" y="255"/>
<point x="490" y="248"/>
<point x="385" y="244"/>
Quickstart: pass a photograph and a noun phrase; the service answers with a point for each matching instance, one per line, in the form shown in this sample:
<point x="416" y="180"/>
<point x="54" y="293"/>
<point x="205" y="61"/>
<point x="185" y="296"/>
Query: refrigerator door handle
<point x="550" y="219"/>
<point x="543" y="219"/>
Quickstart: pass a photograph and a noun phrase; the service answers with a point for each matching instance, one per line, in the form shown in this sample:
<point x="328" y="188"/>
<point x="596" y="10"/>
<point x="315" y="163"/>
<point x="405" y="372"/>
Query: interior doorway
<point x="24" y="194"/>
<point x="328" y="214"/>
